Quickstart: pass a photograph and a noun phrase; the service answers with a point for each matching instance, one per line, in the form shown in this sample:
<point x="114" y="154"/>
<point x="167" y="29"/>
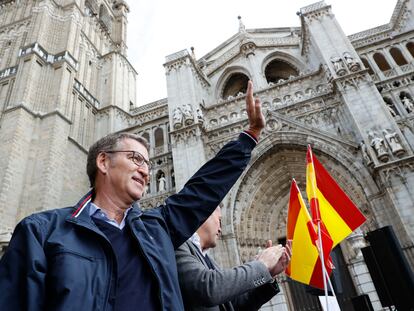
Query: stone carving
<point x="365" y="155"/>
<point x="352" y="64"/>
<point x="248" y="49"/>
<point x="356" y="241"/>
<point x="338" y="66"/>
<point x="162" y="183"/>
<point x="394" y="142"/>
<point x="378" y="144"/>
<point x="408" y="104"/>
<point x="272" y="125"/>
<point x="310" y="92"/>
<point x="276" y="102"/>
<point x="177" y="118"/>
<point x="187" y="111"/>
<point x="321" y="88"/>
<point x="287" y="99"/>
<point x="298" y="96"/>
<point x="200" y="116"/>
<point x="391" y="108"/>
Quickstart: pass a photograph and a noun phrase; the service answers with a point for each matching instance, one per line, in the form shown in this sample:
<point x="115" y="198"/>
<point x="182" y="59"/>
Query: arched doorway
<point x="259" y="210"/>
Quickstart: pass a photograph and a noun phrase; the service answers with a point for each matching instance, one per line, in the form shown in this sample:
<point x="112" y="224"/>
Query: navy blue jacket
<point x="60" y="260"/>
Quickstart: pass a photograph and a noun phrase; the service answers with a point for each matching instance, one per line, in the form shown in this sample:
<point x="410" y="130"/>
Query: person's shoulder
<point x="48" y="216"/>
<point x="185" y="249"/>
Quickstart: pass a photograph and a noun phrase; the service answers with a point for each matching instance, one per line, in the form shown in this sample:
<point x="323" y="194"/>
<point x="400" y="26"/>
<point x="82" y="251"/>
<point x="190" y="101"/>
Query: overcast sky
<point x="158" y="28"/>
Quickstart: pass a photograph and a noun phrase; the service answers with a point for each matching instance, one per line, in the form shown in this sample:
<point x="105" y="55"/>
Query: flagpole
<point x="324" y="272"/>
<point x="330" y="285"/>
<point x="316" y="215"/>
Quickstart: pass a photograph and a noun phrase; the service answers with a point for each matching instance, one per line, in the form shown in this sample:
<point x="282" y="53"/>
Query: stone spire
<point x="242" y="28"/>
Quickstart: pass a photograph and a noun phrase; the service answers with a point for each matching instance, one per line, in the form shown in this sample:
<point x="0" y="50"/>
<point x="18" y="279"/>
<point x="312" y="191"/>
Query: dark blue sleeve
<point x="23" y="269"/>
<point x="185" y="211"/>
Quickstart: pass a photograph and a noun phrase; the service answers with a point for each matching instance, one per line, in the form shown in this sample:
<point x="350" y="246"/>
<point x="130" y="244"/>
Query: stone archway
<point x="258" y="206"/>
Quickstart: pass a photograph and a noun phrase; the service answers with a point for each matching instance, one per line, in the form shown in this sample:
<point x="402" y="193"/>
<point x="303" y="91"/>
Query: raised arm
<point x="254" y="112"/>
<point x="185" y="211"/>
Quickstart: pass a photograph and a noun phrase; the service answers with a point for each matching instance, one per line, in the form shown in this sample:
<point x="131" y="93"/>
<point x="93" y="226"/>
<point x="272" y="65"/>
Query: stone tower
<point x="64" y="82"/>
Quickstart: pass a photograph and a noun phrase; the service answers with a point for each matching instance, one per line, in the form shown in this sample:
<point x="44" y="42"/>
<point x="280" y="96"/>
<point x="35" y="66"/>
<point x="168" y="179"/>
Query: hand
<point x="271" y="256"/>
<point x="284" y="259"/>
<point x="254" y="111"/>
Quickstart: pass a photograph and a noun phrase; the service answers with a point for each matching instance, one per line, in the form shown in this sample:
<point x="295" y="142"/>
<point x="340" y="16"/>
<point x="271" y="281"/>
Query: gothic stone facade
<point x="65" y="81"/>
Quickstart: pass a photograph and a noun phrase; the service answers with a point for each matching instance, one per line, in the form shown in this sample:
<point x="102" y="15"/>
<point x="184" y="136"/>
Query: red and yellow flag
<point x="305" y="266"/>
<point x="329" y="202"/>
<point x="330" y="206"/>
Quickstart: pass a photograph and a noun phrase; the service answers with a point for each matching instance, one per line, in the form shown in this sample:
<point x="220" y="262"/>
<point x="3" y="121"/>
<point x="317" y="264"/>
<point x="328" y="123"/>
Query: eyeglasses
<point x="136" y="157"/>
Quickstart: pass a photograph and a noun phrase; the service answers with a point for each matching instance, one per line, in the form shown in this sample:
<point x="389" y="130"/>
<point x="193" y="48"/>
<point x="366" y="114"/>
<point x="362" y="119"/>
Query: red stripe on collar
<point x="82" y="205"/>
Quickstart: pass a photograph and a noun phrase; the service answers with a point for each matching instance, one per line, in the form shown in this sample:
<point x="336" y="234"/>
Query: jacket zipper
<point x="110" y="260"/>
<point x="148" y="261"/>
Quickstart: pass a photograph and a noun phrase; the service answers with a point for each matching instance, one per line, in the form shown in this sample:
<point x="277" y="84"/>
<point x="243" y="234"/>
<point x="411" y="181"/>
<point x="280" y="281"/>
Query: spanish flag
<point x="305" y="265"/>
<point x="338" y="217"/>
<point x="329" y="202"/>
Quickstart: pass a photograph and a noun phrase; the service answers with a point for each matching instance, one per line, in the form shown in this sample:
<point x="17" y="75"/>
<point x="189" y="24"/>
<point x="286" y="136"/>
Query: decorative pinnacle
<point x="242" y="28"/>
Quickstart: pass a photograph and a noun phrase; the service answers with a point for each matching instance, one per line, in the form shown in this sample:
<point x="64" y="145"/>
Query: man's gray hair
<point x="109" y="142"/>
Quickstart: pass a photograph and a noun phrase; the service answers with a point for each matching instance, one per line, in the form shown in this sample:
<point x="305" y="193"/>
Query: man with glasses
<point x="105" y="253"/>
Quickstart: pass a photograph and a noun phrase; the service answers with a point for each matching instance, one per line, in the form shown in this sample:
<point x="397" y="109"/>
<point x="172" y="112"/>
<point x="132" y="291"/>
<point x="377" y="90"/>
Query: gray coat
<point x="245" y="287"/>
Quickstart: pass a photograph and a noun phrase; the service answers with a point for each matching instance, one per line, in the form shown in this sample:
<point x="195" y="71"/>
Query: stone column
<point x="186" y="86"/>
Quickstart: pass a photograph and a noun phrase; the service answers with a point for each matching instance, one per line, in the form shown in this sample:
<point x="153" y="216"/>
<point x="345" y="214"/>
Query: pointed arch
<point x="410" y="48"/>
<point x="398" y="56"/>
<point x="257" y="208"/>
<point x="232" y="82"/>
<point x="367" y="65"/>
<point x="279" y="65"/>
<point x="159" y="137"/>
<point x="147" y="137"/>
<point x="381" y="62"/>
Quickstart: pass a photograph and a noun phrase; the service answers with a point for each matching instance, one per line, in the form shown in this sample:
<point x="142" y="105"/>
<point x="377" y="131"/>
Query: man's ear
<point x="102" y="163"/>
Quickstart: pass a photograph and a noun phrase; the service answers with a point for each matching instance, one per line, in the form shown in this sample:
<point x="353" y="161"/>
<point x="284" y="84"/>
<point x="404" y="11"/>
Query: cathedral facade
<point x="65" y="81"/>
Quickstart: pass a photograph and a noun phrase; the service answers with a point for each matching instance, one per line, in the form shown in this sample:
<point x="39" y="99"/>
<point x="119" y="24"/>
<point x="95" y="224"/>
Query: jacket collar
<point x="83" y="203"/>
<point x="81" y="209"/>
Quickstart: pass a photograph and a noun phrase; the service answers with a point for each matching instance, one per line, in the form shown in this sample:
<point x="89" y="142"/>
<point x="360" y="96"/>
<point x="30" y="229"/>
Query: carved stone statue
<point x="200" y="116"/>
<point x="365" y="154"/>
<point x="177" y="118"/>
<point x="391" y="108"/>
<point x="161" y="183"/>
<point x="188" y="114"/>
<point x="393" y="141"/>
<point x="351" y="62"/>
<point x="378" y="144"/>
<point x="338" y="66"/>
<point x="408" y="104"/>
